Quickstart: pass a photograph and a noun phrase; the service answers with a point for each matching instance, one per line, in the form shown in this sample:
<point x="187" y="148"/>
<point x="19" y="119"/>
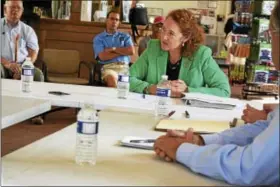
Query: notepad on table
<point x="199" y="126"/>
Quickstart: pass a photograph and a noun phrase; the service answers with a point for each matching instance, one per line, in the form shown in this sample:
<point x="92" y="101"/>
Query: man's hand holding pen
<point x="166" y="146"/>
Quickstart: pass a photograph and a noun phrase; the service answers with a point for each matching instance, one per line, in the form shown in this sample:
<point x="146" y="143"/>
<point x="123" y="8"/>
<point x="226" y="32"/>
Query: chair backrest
<point x="61" y="61"/>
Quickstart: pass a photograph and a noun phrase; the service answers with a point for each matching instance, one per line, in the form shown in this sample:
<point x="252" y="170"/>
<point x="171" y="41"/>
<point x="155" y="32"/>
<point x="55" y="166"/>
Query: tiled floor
<point x="24" y="133"/>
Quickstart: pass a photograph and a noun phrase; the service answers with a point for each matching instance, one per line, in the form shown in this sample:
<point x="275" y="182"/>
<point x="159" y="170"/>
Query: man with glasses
<point x="18" y="41"/>
<point x="156" y="30"/>
<point x="112" y="49"/>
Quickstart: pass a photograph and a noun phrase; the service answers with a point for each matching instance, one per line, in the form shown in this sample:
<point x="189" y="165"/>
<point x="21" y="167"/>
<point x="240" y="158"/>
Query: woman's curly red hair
<point x="190" y="29"/>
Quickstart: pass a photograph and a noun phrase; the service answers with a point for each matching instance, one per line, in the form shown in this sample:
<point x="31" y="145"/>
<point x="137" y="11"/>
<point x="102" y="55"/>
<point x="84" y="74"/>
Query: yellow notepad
<point x="198" y="125"/>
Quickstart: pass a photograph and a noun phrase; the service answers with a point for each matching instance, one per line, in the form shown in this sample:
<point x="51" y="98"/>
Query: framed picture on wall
<point x="212" y="4"/>
<point x="153" y="12"/>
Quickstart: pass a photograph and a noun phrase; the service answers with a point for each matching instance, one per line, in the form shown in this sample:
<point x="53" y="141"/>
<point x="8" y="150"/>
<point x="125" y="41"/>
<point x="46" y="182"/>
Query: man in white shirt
<point x="16" y="33"/>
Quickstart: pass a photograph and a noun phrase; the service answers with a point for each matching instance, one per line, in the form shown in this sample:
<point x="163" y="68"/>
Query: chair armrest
<point x="90" y="68"/>
<point x="44" y="68"/>
<point x="97" y="74"/>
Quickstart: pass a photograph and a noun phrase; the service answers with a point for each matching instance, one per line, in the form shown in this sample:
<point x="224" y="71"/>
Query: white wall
<point x="222" y="6"/>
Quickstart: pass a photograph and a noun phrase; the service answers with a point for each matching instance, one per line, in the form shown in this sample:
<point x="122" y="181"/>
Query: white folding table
<point x="50" y="161"/>
<point x="16" y="109"/>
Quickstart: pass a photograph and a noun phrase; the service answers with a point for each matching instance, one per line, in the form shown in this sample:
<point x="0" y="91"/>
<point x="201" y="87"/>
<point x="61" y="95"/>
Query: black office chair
<point x="97" y="80"/>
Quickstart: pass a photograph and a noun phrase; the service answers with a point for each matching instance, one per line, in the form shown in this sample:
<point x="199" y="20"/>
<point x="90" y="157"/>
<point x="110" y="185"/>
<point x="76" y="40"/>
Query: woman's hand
<point x="178" y="87"/>
<point x="152" y="89"/>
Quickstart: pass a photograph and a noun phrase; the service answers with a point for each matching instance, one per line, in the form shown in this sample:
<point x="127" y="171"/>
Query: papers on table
<point x="138" y="142"/>
<point x="210" y="101"/>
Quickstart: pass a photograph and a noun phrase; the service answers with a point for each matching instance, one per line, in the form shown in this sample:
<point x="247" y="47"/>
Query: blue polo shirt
<point x="106" y="40"/>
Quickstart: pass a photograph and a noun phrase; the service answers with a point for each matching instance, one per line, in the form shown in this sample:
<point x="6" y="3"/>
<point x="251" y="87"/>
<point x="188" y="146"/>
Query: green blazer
<point x="201" y="73"/>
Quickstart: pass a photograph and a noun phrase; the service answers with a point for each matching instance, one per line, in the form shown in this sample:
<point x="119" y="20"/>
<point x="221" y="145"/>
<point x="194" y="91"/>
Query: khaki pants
<point x="6" y="73"/>
<point x="112" y="69"/>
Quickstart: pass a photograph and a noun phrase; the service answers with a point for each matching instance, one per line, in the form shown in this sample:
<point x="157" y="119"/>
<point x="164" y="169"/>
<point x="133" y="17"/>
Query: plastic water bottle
<point x="27" y="75"/>
<point x="123" y="83"/>
<point x="163" y="93"/>
<point x="87" y="131"/>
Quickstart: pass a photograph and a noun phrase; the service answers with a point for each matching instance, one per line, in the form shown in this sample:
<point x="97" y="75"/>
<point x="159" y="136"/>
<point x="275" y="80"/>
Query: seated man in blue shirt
<point x="245" y="155"/>
<point x="112" y="49"/>
<point x="16" y="34"/>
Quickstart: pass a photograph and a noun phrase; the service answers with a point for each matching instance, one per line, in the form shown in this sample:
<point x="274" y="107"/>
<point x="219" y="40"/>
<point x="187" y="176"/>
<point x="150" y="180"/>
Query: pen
<point x="143" y="141"/>
<point x="171" y="113"/>
<point x="187" y="114"/>
<point x="233" y="123"/>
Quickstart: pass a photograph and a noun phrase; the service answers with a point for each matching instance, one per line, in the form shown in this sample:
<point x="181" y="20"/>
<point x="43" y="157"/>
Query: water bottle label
<point x="123" y="78"/>
<point x="163" y="92"/>
<point x="28" y="72"/>
<point x="87" y="128"/>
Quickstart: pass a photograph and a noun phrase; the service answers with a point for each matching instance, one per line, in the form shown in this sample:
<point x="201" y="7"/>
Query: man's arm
<point x="110" y="53"/>
<point x="14" y="67"/>
<point x="100" y="52"/>
<point x="32" y="44"/>
<point x="253" y="164"/>
<point x="107" y="54"/>
<point x="125" y="51"/>
<point x="241" y="136"/>
<point x="32" y="54"/>
<point x="6" y="63"/>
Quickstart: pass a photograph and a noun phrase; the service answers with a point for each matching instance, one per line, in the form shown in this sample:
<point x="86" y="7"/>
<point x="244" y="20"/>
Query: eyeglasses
<point x="169" y="33"/>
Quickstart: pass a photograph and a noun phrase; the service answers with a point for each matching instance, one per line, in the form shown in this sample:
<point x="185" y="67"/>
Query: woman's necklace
<point x="174" y="66"/>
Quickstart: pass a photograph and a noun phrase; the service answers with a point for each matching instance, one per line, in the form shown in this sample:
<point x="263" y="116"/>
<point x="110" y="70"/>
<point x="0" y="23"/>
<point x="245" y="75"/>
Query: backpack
<point x="137" y="16"/>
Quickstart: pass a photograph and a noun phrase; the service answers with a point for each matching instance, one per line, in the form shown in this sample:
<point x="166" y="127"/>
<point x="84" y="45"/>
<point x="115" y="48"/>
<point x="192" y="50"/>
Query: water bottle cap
<point x="164" y="77"/>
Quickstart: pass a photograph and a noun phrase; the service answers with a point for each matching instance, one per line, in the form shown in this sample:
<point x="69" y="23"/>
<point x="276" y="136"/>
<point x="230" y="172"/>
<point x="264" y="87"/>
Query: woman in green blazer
<point x="180" y="55"/>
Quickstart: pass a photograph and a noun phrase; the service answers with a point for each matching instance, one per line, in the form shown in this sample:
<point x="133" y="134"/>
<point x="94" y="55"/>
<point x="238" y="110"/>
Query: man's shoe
<point x="37" y="120"/>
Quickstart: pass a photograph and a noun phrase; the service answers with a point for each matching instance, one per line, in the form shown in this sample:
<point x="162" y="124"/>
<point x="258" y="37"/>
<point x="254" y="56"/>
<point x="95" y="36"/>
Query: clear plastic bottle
<point x="27" y="75"/>
<point x="87" y="132"/>
<point x="163" y="93"/>
<point x="123" y="83"/>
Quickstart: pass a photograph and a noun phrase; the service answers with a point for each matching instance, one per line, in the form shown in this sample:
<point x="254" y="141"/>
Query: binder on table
<point x="209" y="101"/>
